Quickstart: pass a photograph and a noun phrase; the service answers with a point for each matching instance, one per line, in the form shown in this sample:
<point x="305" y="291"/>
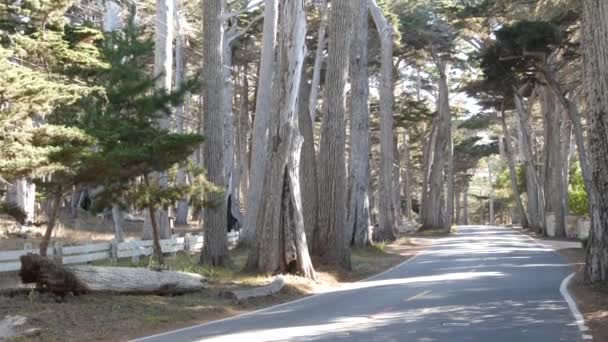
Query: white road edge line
<point x="580" y="320"/>
<point x="142" y="339"/>
<point x="563" y="289"/>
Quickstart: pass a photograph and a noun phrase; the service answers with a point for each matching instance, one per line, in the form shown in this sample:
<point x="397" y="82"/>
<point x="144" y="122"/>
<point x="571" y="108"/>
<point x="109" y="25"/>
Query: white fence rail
<point x="9" y="260"/>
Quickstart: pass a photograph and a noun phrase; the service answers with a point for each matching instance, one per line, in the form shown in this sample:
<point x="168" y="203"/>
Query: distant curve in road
<point x="480" y="284"/>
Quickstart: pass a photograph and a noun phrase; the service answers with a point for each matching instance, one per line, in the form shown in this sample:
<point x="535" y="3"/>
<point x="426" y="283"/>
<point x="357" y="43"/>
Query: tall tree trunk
<point x="595" y="52"/>
<point x="387" y="231"/>
<point x="465" y="204"/>
<point x="313" y="101"/>
<point x="396" y="186"/>
<point x="331" y="238"/>
<point x="491" y="181"/>
<point x="553" y="185"/>
<point x="512" y="171"/>
<point x="566" y="149"/>
<point x="280" y="240"/>
<point x="243" y="136"/>
<point x="449" y="197"/>
<point x="308" y="163"/>
<point x="434" y="214"/>
<point x="215" y="248"/>
<point x="163" y="71"/>
<point x="535" y="206"/>
<point x="407" y="179"/>
<point x="232" y="179"/>
<point x="263" y="103"/>
<point x="575" y="118"/>
<point x="457" y="204"/>
<point x="181" y="214"/>
<point x="359" y="224"/>
<point x="427" y="157"/>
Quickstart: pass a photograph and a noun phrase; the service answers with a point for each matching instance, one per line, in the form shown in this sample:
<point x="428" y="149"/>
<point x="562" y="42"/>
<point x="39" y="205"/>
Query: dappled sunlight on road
<point x="417" y="280"/>
<point x="480" y="284"/>
<point x="440" y="320"/>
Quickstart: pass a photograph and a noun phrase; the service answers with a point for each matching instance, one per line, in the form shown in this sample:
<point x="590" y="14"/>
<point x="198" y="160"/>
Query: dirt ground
<point x="116" y="318"/>
<point x="592" y="301"/>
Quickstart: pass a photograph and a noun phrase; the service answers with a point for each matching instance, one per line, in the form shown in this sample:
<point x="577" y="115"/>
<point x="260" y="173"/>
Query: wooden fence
<point x="9" y="260"/>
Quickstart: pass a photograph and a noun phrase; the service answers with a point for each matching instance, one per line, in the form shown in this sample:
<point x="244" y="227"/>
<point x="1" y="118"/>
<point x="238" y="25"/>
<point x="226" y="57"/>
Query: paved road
<point x="482" y="284"/>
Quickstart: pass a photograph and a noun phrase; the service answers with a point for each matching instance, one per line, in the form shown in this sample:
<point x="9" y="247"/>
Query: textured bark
<point x="575" y="118"/>
<point x="112" y="18"/>
<point x="158" y="252"/>
<point x="534" y="190"/>
<point x="118" y="223"/>
<point x="387" y="231"/>
<point x="163" y="71"/>
<point x="62" y="280"/>
<point x="181" y="213"/>
<point x="595" y="52"/>
<point x="24" y="197"/>
<point x="358" y="224"/>
<point x="215" y="249"/>
<point x="243" y="136"/>
<point x="449" y="174"/>
<point x="313" y="101"/>
<point x="259" y="148"/>
<point x="396" y="186"/>
<point x="508" y="149"/>
<point x="229" y="134"/>
<point x="427" y="156"/>
<point x="554" y="180"/>
<point x="53" y="214"/>
<point x="491" y="181"/>
<point x="308" y="164"/>
<point x="407" y="179"/>
<point x="280" y="239"/>
<point x="434" y="212"/>
<point x="331" y="240"/>
<point x="465" y="204"/>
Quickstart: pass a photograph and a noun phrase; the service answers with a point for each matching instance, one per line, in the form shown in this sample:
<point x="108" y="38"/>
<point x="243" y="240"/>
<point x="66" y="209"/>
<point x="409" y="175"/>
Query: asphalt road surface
<point x="483" y="284"/>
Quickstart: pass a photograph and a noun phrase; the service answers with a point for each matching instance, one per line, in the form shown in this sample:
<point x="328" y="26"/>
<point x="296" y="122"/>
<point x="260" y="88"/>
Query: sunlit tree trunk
<point x="433" y="206"/>
<point x="331" y="240"/>
<point x="263" y="103"/>
<point x="181" y="213"/>
<point x="407" y="179"/>
<point x="508" y="149"/>
<point x="308" y="163"/>
<point x="595" y="52"/>
<point x="243" y="136"/>
<point x="280" y="239"/>
<point x="534" y="190"/>
<point x="387" y="231"/>
<point x="163" y="71"/>
<point x="313" y="101"/>
<point x="215" y="248"/>
<point x="553" y="185"/>
<point x="359" y="224"/>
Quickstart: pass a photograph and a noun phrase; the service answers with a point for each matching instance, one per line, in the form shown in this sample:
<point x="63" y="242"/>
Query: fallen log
<point x="262" y="291"/>
<point x="62" y="280"/>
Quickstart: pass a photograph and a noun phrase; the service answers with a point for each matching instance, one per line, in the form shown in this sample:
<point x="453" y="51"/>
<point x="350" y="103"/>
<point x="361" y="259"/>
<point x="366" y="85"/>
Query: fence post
<point x="114" y="250"/>
<point x="174" y="245"/>
<point x="187" y="242"/>
<point x="58" y="252"/>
